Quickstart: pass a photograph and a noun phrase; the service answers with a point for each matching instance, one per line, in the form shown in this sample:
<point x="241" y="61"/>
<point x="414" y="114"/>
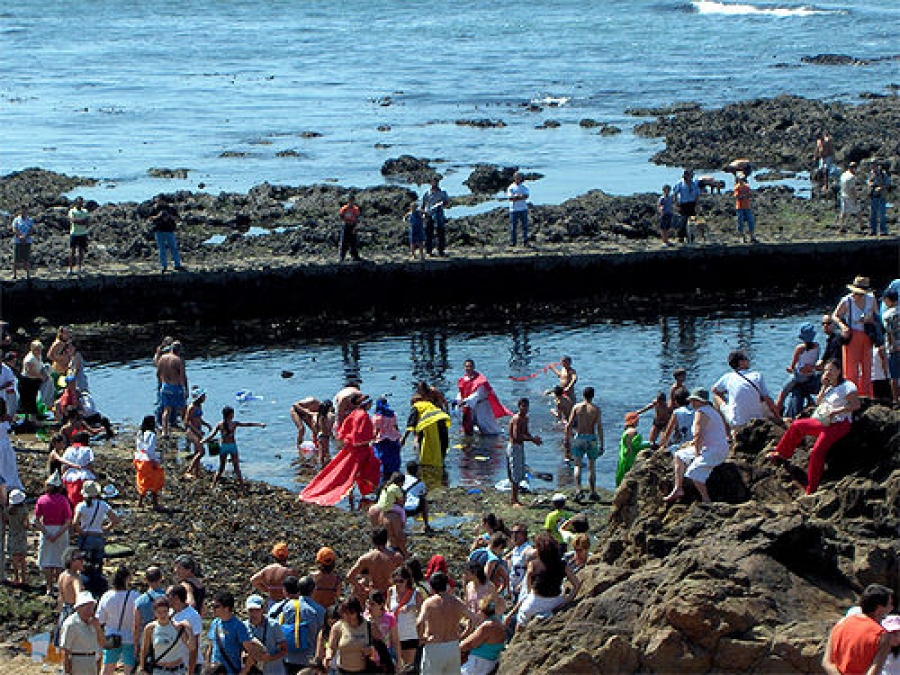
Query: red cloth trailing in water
<point x="467" y="386"/>
<point x="355" y="463"/>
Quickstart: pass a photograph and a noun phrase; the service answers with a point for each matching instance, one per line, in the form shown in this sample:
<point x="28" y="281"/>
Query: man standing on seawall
<point x="433" y="204"/>
<point x="480" y="405"/>
<point x="78" y="234"/>
<point x="165" y="221"/>
<point x="686" y="193"/>
<point x="349" y="215"/>
<point x="879" y="185"/>
<point x="858" y="644"/>
<point x="850" y="198"/>
<point x="518" y="195"/>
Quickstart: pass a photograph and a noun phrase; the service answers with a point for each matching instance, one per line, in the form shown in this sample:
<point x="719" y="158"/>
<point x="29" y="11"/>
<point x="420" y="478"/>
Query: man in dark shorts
<point x="686" y="193"/>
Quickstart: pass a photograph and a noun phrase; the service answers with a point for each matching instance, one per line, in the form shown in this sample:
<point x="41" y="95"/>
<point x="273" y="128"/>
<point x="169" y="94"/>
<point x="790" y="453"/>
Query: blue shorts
<point x="228" y="449"/>
<point x="172" y="396"/>
<point x="585" y="444"/>
<point x="894" y="365"/>
<point x="123" y="655"/>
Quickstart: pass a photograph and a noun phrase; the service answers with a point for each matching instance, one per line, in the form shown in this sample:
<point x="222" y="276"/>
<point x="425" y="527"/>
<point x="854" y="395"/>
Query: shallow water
<point x="110" y="88"/>
<point x="626" y="362"/>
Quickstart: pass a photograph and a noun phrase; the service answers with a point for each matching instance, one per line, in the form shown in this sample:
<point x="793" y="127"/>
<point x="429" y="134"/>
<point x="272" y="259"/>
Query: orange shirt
<point x="854" y="643"/>
<point x="742" y="196"/>
<point x="350" y="214"/>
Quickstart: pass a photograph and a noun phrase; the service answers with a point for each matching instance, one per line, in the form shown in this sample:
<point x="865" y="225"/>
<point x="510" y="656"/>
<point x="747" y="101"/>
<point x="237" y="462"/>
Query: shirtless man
<point x="439" y="625"/>
<point x="373" y="570"/>
<point x="824" y="157"/>
<point x="270" y="579"/>
<point x="172" y="377"/>
<point x="319" y="417"/>
<point x="567" y="376"/>
<point x="585" y="421"/>
<point x="342" y="405"/>
<point x="69" y="583"/>
<point x="515" y="451"/>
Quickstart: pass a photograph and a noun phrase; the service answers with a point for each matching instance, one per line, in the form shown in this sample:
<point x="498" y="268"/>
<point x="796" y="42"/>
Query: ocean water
<point x="627" y="363"/>
<point x="227" y="88"/>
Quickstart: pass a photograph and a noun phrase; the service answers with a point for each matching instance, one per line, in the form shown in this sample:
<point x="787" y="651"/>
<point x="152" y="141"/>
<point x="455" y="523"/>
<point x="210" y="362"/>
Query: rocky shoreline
<point x="277" y="230"/>
<point x="231" y="534"/>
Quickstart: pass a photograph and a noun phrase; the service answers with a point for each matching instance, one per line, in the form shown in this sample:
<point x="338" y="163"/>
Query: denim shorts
<point x="894" y="365"/>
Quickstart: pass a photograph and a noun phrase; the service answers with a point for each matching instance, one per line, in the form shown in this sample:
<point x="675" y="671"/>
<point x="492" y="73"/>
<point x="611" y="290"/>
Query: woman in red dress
<point x="356" y="463"/>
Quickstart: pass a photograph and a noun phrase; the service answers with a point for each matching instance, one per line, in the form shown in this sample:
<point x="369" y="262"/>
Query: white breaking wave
<point x="713" y="7"/>
<point x="551" y="101"/>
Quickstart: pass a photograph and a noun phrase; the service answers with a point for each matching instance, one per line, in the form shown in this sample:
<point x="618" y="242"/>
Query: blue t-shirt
<point x="144" y="603"/>
<point x="229" y="636"/>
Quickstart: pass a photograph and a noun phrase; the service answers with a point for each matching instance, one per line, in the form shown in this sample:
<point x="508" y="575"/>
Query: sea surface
<point x="229" y="88"/>
<point x="627" y="363"/>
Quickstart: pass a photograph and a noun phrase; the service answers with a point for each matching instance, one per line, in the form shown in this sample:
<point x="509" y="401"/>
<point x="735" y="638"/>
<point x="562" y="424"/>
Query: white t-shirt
<point x="145" y="447"/>
<point x="91" y="518"/>
<point x="835" y="398"/>
<point x="743" y="398"/>
<point x="515" y="190"/>
<point x="414" y="489"/>
<point x="109" y="609"/>
<point x="192" y="618"/>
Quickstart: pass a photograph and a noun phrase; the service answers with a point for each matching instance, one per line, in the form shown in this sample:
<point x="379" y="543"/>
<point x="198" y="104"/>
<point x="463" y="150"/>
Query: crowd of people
<point x="386" y="611"/>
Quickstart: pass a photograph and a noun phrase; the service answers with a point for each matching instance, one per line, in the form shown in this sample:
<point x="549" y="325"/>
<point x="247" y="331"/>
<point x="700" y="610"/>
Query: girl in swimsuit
<point x="227" y="428"/>
<point x="194" y="423"/>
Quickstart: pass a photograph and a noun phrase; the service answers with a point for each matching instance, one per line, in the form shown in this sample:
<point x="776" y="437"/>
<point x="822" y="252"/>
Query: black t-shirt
<point x="164" y="219"/>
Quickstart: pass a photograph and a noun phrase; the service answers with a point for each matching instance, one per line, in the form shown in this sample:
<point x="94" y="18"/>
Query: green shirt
<point x="628" y="450"/>
<point x="552" y="522"/>
<point x="78" y="221"/>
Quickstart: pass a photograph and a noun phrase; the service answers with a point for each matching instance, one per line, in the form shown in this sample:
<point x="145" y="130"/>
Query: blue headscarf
<point x="382" y="408"/>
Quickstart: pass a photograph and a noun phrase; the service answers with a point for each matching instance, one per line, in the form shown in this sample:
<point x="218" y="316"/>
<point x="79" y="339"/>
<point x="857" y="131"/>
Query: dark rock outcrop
<point x="413" y="169"/>
<point x="750" y="583"/>
<point x="777" y="133"/>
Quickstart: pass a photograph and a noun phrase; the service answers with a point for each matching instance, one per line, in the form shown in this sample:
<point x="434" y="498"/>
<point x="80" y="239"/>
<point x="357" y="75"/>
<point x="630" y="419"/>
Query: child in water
<point x="661" y="414"/>
<point x="227" y="428"/>
<point x="630" y="445"/>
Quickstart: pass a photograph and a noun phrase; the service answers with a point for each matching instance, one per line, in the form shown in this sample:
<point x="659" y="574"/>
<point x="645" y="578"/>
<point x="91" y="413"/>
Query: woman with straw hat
<point x="853" y="313"/>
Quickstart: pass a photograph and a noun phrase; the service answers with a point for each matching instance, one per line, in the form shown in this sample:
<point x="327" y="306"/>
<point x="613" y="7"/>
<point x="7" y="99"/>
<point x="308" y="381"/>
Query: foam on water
<point x="735" y="9"/>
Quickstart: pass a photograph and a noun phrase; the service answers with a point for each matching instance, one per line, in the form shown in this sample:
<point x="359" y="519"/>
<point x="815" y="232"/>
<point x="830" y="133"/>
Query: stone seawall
<point x="518" y="280"/>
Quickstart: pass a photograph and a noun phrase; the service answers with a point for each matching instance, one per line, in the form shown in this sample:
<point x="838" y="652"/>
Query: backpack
<point x="297" y="633"/>
<point x="479" y="555"/>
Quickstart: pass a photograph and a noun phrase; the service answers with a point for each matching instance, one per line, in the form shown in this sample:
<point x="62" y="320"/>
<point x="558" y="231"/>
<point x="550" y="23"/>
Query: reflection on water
<point x="626" y="362"/>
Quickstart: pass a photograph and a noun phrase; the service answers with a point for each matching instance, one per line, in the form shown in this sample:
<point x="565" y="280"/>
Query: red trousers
<point x="857" y="356"/>
<point x="827" y="436"/>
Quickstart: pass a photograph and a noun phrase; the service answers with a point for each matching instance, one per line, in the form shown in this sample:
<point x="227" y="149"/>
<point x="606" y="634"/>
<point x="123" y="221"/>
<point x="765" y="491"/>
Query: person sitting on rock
<point x="835" y="405"/>
<point x="708" y="449"/>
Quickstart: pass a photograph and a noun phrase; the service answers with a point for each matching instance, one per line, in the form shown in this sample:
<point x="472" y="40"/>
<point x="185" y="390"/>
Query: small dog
<point x="696" y="230"/>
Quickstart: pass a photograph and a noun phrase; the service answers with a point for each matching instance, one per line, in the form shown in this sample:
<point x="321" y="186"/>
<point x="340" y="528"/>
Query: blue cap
<point x="807" y="332"/>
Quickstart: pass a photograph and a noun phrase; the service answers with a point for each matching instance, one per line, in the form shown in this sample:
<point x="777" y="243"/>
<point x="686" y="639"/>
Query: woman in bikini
<point x="194" y="424"/>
